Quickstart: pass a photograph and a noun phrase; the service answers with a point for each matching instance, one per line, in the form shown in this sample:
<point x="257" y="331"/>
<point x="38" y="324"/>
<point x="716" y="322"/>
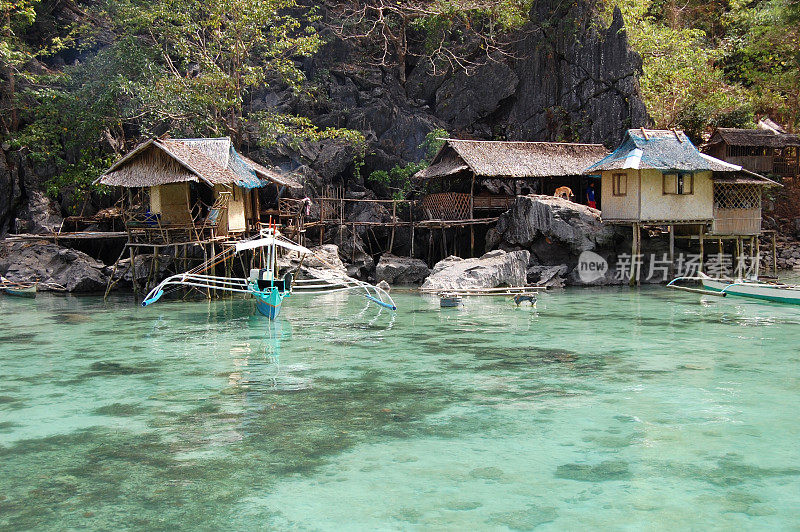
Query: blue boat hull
<point x="269" y="303"/>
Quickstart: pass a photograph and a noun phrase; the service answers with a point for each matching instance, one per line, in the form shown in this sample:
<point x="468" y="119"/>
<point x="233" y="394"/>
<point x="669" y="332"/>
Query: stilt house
<point x="475" y="178"/>
<point x="658" y="177"/>
<point x="193" y="187"/>
<point x="766" y="151"/>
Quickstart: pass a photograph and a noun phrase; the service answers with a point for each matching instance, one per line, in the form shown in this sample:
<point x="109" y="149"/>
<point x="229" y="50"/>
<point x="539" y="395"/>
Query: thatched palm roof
<point x="753" y="137"/>
<point x="501" y="159"/>
<point x="665" y="150"/>
<point x="744" y="177"/>
<point x="213" y="161"/>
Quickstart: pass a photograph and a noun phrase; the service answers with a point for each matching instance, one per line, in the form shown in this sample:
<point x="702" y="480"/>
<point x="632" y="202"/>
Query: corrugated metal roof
<point x="659" y="150"/>
<point x="505" y="159"/>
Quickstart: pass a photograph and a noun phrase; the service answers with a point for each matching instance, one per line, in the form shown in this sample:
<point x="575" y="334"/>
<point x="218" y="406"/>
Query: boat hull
<point x="269" y="302"/>
<point x="762" y="291"/>
<point x="29" y="292"/>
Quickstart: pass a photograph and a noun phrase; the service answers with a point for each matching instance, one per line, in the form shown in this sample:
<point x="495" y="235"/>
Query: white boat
<point x="263" y="284"/>
<point x="752" y="288"/>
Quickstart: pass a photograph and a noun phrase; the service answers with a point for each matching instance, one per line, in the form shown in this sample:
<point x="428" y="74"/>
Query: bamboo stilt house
<point x="763" y="150"/>
<point x="474" y="178"/>
<point x="659" y="177"/>
<point x="194" y="183"/>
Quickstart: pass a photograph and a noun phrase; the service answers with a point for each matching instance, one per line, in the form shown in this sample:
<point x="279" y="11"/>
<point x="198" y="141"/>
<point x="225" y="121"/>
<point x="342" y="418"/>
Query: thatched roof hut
<point x="502" y="159"/>
<point x="766" y="149"/>
<point x="213" y="161"/>
<point x="753" y="137"/>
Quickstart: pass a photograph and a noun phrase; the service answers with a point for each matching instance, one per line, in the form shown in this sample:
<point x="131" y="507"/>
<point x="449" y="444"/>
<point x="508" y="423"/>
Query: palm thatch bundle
<point x="502" y="159"/>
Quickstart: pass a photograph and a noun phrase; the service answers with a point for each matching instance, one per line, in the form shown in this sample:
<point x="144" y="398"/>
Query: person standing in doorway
<point x="590" y="198"/>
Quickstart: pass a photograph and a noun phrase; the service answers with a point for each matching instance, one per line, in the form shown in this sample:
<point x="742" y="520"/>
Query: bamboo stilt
<point x="702" y="252"/>
<point x="394" y="225"/>
<point x="133" y="272"/>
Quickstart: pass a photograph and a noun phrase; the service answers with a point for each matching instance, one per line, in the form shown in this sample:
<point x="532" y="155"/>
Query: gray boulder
<point x="52" y="264"/>
<point x="323" y="264"/>
<point x="496" y="268"/>
<point x="549" y="276"/>
<point x="401" y="270"/>
<point x="576" y="226"/>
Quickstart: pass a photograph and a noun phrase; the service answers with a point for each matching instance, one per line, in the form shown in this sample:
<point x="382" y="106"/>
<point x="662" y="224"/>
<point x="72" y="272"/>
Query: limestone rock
<point x="549" y="276"/>
<point x="494" y="269"/>
<point x="324" y="264"/>
<point x="578" y="80"/>
<point x="466" y="98"/>
<point x="40" y="215"/>
<point x="49" y="263"/>
<point x="577" y="226"/>
<point x="401" y="270"/>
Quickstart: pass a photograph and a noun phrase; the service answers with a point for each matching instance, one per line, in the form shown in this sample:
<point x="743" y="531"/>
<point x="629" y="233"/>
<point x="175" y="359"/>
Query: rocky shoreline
<point x="538" y="241"/>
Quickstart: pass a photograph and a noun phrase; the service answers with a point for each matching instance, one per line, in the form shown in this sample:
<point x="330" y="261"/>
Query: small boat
<point x="263" y="283"/>
<point x="522" y="297"/>
<point x="448" y="300"/>
<point x="17" y="289"/>
<point x="753" y="288"/>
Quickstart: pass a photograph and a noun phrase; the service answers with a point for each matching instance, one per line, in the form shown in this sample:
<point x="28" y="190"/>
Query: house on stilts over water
<point x="767" y="150"/>
<point x="190" y="192"/>
<point x="658" y="178"/>
<point x="480" y="178"/>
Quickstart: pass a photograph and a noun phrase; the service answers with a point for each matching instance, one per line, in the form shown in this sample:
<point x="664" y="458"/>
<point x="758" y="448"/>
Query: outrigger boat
<point x="752" y="288"/>
<point x="264" y="285"/>
<point x="12" y="288"/>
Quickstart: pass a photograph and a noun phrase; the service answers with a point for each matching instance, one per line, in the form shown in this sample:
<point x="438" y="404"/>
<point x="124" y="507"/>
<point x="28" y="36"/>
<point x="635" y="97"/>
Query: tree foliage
<point x="709" y="64"/>
<point x="184" y="67"/>
<point x="447" y="35"/>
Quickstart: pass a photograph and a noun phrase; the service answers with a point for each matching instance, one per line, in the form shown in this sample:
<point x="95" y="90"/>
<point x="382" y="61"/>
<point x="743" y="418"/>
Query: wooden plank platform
<point x="79" y="235"/>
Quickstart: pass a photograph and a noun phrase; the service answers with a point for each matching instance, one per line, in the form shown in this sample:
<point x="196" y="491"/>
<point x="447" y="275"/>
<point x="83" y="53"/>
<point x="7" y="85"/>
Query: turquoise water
<point x="603" y="408"/>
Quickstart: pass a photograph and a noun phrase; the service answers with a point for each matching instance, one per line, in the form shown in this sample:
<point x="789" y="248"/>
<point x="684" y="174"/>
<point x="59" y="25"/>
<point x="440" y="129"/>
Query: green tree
<point x="681" y="80"/>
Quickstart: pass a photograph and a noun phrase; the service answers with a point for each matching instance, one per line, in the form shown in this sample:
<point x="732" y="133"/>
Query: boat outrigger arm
<point x="269" y="238"/>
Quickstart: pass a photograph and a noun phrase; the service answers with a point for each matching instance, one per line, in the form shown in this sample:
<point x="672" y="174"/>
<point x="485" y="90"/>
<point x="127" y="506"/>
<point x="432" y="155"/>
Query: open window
<point x="619" y="184"/>
<point x="681" y="184"/>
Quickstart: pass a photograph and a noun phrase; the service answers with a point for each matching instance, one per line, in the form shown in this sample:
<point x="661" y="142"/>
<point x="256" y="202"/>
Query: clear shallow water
<point x="603" y="408"/>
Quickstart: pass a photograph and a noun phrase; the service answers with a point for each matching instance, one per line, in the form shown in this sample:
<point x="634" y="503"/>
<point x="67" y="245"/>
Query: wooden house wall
<point x="659" y="206"/>
<point x="647" y="202"/>
<point x="172" y="202"/>
<point x="620" y="207"/>
<point x="236" y="218"/>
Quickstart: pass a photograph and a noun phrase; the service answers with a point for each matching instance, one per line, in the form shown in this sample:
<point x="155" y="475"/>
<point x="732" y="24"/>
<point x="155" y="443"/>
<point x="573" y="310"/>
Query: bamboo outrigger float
<point x="264" y="285"/>
<point x="776" y="292"/>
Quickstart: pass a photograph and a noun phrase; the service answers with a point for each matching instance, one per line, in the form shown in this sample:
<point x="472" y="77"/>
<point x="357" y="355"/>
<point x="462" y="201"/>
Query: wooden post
<point x="471" y="240"/>
<point x="774" y="255"/>
<point x="394" y="224"/>
<point x="702" y="253"/>
<point x="634" y="252"/>
<point x="353" y="254"/>
<point x="757" y="250"/>
<point x="430" y="246"/>
<point x="444" y="242"/>
<point x="214" y="266"/>
<point x="672" y="251"/>
<point x="411" y="218"/>
<point x="133" y="272"/>
<point x="472" y="198"/>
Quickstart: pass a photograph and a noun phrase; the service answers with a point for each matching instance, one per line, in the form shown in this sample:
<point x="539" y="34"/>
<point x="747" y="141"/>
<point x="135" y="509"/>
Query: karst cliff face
<point x="578" y="79"/>
<point x="567" y="77"/>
